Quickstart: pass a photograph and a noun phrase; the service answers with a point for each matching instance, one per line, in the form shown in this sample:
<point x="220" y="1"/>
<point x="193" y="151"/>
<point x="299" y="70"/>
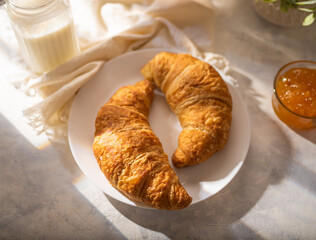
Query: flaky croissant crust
<point x="130" y="155"/>
<point x="197" y="94"/>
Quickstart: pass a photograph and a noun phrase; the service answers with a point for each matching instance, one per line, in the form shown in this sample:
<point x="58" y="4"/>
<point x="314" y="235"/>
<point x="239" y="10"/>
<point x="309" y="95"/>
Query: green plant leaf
<point x="306" y="10"/>
<point x="306" y="2"/>
<point x="309" y="19"/>
<point x="310" y="7"/>
<point x="285" y="6"/>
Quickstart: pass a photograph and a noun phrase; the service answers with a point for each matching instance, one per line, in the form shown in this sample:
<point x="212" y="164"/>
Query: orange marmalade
<point x="296" y="90"/>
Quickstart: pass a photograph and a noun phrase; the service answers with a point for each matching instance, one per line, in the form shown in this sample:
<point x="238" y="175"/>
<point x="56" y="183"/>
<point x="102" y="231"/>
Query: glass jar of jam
<point x="294" y="98"/>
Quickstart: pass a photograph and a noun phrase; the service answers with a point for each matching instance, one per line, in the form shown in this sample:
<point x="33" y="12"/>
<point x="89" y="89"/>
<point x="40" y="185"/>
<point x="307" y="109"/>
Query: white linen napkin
<point x="107" y="29"/>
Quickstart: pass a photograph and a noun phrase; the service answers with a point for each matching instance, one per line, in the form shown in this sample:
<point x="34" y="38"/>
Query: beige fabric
<point x="107" y="29"/>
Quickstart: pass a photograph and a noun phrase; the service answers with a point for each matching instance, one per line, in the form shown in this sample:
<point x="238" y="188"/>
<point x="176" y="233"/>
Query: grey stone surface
<point x="44" y="195"/>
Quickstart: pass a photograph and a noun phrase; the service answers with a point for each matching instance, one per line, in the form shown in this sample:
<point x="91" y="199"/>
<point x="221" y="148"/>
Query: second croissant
<point x="200" y="98"/>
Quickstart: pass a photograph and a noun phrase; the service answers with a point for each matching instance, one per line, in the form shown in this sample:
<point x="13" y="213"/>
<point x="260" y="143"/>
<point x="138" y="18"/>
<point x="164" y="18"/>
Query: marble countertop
<point x="44" y="195"/>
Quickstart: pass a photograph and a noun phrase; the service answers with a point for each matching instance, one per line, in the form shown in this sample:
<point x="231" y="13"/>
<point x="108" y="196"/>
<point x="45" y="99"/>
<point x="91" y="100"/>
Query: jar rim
<point x="275" y="82"/>
<point x="36" y="7"/>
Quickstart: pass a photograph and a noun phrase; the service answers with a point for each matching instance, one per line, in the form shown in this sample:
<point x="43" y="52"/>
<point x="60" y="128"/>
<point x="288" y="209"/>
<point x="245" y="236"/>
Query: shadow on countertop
<point x="310" y="134"/>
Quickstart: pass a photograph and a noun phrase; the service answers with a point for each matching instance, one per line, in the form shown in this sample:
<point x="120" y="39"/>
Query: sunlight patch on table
<point x="12" y="105"/>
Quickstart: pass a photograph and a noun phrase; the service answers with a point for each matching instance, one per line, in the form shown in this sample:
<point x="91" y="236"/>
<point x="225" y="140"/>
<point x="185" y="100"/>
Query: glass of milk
<point x="45" y="32"/>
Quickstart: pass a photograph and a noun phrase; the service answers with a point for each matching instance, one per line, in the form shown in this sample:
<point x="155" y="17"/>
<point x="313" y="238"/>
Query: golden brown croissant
<point x="130" y="155"/>
<point x="197" y="94"/>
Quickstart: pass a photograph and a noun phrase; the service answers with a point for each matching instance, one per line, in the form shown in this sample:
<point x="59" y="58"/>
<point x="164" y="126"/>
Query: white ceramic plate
<point x="200" y="181"/>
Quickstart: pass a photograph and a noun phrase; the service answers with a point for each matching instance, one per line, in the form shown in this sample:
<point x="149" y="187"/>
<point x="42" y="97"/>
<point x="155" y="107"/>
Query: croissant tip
<point x="179" y="159"/>
<point x="183" y="200"/>
<point x="186" y="201"/>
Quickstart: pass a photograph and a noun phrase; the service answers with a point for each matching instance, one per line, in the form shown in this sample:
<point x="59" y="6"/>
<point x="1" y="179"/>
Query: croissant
<point x="199" y="97"/>
<point x="130" y="155"/>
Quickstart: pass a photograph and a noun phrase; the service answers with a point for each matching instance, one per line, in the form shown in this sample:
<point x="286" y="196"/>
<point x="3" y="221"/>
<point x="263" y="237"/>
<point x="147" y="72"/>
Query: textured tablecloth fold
<point x="120" y="27"/>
